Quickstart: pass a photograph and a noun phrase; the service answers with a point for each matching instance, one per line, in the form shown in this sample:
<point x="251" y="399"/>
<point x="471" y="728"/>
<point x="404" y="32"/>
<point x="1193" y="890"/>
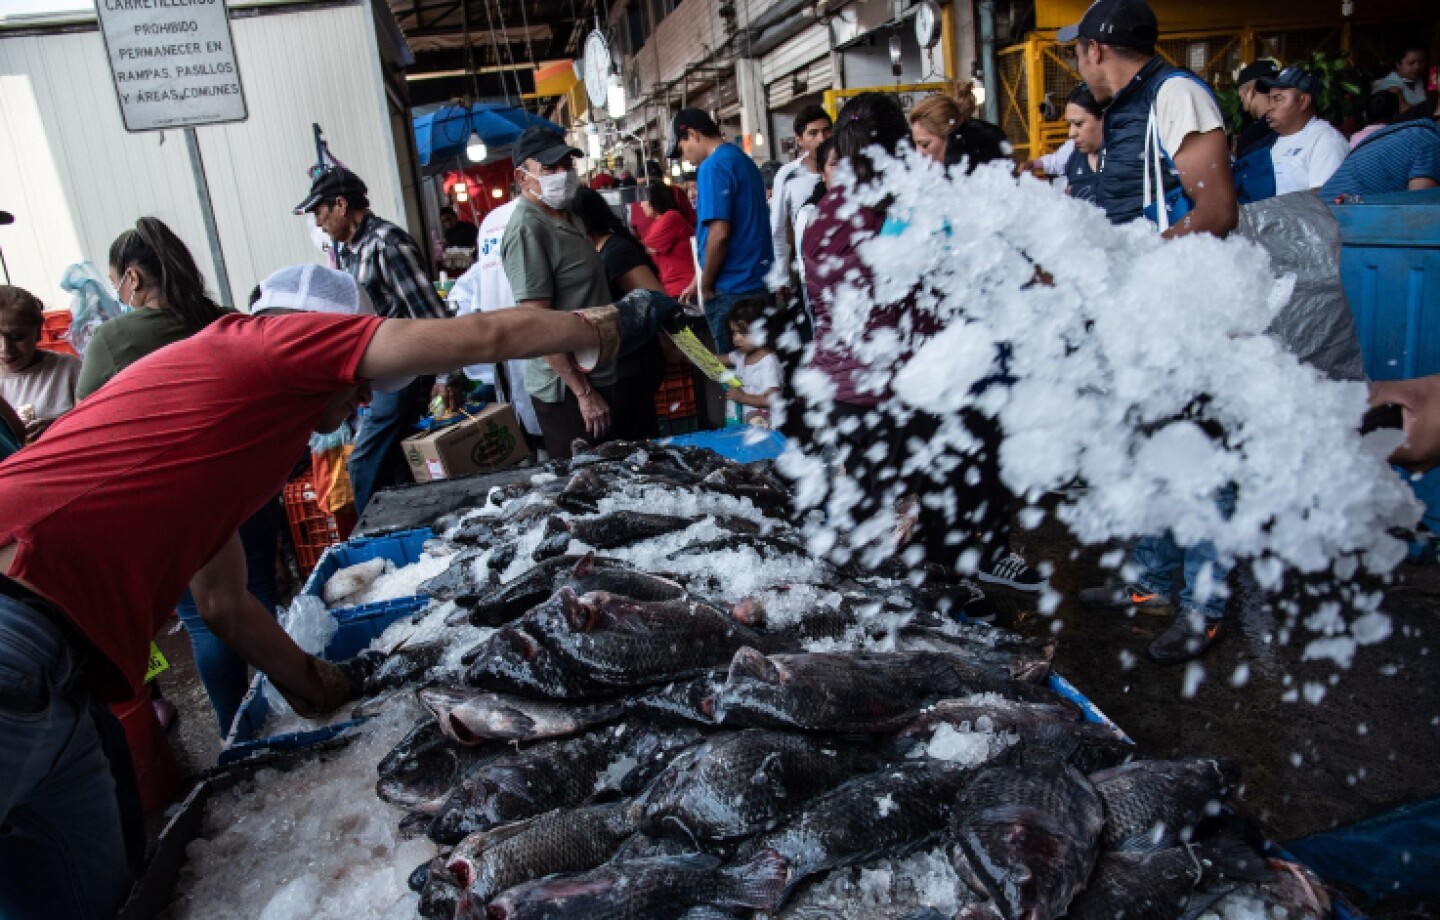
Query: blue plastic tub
<point x="402" y="548"/>
<point x="358" y="628"/>
<point x="743" y="445"/>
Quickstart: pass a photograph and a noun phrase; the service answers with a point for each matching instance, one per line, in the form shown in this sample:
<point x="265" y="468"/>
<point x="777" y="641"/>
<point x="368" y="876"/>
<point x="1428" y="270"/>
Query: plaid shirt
<point x="387" y="263"/>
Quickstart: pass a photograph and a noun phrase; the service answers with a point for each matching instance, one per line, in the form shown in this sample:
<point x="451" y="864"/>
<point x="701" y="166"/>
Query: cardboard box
<point x="489" y="440"/>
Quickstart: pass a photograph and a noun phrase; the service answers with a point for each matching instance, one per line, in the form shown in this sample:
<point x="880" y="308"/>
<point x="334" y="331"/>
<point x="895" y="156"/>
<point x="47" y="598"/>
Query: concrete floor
<point x="1373" y="743"/>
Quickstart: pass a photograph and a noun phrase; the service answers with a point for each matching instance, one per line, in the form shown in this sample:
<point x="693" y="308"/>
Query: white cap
<point x="317" y="289"/>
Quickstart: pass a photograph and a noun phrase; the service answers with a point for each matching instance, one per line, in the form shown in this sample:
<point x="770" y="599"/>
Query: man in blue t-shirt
<point x="734" y="221"/>
<point x="1401" y="157"/>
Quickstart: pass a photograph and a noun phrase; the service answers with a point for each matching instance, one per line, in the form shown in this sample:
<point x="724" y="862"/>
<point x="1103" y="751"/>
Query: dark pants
<point x="377" y="462"/>
<point x="224" y="674"/>
<point x="562" y="424"/>
<point x="981" y="502"/>
<point x="62" y="848"/>
<point x="632" y="414"/>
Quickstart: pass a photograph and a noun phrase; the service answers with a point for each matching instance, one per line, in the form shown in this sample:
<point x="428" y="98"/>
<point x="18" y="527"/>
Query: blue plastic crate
<point x="402" y="548"/>
<point x="358" y="628"/>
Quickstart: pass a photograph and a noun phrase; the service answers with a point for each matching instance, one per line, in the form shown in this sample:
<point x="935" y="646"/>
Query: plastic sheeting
<point x="1303" y="239"/>
<point x="1393" y="855"/>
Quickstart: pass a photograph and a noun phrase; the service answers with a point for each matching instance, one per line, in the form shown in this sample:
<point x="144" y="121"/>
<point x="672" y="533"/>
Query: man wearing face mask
<point x="388" y="264"/>
<point x="551" y="264"/>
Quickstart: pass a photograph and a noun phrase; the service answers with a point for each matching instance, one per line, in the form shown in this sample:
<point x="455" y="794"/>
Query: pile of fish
<point x="674" y="710"/>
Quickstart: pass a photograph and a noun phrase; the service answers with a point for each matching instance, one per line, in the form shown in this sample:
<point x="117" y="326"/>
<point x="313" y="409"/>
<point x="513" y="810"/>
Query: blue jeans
<point x="1160" y="558"/>
<point x="62" y="854"/>
<point x="224" y="674"/>
<point x="717" y="312"/>
<point x="376" y="461"/>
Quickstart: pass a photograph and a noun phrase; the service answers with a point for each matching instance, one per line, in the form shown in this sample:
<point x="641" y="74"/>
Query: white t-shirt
<point x="794" y="184"/>
<point x="1412" y="93"/>
<point x="761" y="377"/>
<point x="48" y="386"/>
<point x="485" y="288"/>
<point x="1184" y="107"/>
<point x="1308" y="158"/>
<point x="1053" y="164"/>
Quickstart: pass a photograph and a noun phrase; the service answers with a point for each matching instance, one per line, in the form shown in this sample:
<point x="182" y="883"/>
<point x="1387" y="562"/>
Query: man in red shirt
<point x="139" y="491"/>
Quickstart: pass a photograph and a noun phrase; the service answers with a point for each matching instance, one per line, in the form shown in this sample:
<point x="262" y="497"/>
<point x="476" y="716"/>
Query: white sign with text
<point x="173" y="62"/>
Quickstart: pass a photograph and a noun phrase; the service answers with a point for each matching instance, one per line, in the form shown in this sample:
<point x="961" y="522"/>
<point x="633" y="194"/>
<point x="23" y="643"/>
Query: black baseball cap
<point x="1126" y="23"/>
<point x="543" y="146"/>
<point x="1262" y="69"/>
<point x="334" y="181"/>
<point x="690" y="119"/>
<point x="1290" y="78"/>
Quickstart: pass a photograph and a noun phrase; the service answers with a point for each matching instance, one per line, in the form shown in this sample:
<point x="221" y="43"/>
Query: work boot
<point x="1188" y="637"/>
<point x="1122" y="595"/>
<point x="1012" y="571"/>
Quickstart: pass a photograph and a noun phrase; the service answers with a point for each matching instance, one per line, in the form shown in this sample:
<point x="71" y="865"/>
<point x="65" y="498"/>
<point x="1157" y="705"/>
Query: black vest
<point x="1079" y="177"/>
<point x="1120" y="175"/>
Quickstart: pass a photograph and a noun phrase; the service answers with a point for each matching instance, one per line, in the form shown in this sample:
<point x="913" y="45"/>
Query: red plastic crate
<point x="311" y="527"/>
<point x="676" y="396"/>
<point x="52" y="333"/>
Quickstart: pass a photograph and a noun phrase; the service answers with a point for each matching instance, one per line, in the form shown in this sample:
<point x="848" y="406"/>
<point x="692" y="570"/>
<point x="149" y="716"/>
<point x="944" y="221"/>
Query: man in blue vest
<point x="1166" y="158"/>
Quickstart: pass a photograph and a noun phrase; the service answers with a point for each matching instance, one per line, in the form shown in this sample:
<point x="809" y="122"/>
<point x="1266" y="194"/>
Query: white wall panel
<point x="75" y="178"/>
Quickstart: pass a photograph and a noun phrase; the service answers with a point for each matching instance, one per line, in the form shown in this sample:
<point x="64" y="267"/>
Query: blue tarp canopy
<point x="444" y="133"/>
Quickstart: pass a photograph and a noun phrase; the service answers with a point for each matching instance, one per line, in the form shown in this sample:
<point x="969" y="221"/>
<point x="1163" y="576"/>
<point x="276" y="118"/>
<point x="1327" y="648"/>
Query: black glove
<point x="642" y="315"/>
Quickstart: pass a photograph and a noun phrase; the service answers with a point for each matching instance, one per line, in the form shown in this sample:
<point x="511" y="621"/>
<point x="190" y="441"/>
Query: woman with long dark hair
<point x="871" y="441"/>
<point x="627" y="268"/>
<point x="157" y="280"/>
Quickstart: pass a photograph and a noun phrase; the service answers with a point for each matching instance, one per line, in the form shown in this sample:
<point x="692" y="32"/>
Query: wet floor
<point x="1371" y="742"/>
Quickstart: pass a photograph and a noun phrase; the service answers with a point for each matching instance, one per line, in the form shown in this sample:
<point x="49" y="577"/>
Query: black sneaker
<point x="1127" y="595"/>
<point x="1012" y="571"/>
<point x="1188" y="637"/>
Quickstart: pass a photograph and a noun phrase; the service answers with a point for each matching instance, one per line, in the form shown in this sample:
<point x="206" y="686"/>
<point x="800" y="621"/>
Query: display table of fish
<point x="636" y="694"/>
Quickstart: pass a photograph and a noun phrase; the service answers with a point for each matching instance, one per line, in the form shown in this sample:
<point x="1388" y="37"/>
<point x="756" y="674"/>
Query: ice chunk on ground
<point x="311" y="843"/>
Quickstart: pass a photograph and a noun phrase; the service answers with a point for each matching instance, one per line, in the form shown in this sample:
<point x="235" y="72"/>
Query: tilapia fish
<point x="564" y="840"/>
<point x="849" y="691"/>
<point x="581" y="574"/>
<point x="512" y="660"/>
<point x="685" y="702"/>
<point x="1003" y="656"/>
<point x="1151" y="804"/>
<point x="1158" y="885"/>
<point x="886" y="813"/>
<point x="620" y="642"/>
<point x="461" y="579"/>
<point x="738" y="784"/>
<point x="554" y="774"/>
<point x="646" y="889"/>
<point x="1029" y="832"/>
<point x="472" y="716"/>
<point x="421" y="771"/>
<point x="608" y="531"/>
<point x="439" y="890"/>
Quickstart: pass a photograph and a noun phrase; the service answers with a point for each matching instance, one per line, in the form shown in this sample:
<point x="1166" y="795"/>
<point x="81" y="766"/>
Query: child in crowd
<point x="755" y="363"/>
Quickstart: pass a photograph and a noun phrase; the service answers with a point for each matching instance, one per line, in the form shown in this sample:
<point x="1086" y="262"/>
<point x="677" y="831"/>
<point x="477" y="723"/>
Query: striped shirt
<point x="1387" y="160"/>
<point x="387" y="263"/>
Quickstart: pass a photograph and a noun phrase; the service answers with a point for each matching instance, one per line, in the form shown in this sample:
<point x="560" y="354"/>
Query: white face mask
<point x="557" y="189"/>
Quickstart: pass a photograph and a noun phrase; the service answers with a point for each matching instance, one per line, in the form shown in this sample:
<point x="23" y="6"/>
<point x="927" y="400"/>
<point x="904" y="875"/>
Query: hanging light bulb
<point x="476" y="149"/>
<point x="497" y="192"/>
<point x="615" y="99"/>
<point x="895" y="52"/>
<point x="675" y="169"/>
<point x="592" y="141"/>
<point x="462" y="192"/>
<point x="759" y="139"/>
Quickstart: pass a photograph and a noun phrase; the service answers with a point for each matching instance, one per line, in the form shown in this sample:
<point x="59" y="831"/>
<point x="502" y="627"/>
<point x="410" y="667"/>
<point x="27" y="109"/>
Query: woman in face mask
<point x="163" y="294"/>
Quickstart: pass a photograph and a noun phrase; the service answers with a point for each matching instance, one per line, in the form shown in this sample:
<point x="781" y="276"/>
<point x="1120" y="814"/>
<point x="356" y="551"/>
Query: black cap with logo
<point x="690" y="119"/>
<point x="543" y="146"/>
<point x="330" y="183"/>
<point x="1290" y="78"/>
<point x="1262" y="69"/>
<point x="1125" y="23"/>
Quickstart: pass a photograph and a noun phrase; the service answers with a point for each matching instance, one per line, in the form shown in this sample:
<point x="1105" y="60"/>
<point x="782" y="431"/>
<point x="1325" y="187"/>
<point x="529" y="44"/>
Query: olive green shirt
<point x="547" y="258"/>
<point x="120" y="342"/>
